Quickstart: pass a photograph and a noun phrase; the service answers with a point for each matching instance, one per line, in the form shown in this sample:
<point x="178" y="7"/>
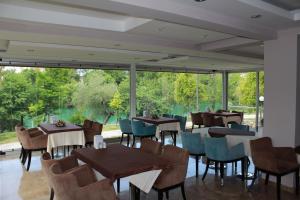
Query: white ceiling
<point x="212" y="35"/>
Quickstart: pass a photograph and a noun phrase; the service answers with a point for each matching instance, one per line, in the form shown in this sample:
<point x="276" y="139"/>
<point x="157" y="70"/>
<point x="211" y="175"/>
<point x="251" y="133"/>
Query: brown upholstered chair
<point x="174" y="175"/>
<point x="80" y="183"/>
<point x="197" y="119"/>
<point x="277" y="161"/>
<point x="31" y="131"/>
<point x="151" y="146"/>
<point x="30" y="143"/>
<point x="210" y="120"/>
<point x="91" y="129"/>
<point x="66" y="164"/>
<point x="241" y="115"/>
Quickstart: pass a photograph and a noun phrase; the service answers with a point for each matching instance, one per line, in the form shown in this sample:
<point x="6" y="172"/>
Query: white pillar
<point x="282" y="91"/>
<point x="225" y="90"/>
<point x="132" y="90"/>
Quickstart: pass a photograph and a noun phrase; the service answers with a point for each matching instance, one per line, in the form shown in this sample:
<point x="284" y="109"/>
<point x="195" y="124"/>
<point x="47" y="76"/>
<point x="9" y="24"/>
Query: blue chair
<point x="125" y="126"/>
<point x="240" y="127"/>
<point x="192" y="142"/>
<point x="182" y="121"/>
<point x="141" y="130"/>
<point x="216" y="150"/>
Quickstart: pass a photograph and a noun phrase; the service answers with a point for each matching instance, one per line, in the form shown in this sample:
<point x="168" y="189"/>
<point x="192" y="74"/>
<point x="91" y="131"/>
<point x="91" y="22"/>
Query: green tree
<point x="94" y="93"/>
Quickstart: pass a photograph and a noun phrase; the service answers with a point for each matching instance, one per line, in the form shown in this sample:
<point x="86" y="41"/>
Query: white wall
<point x="282" y="90"/>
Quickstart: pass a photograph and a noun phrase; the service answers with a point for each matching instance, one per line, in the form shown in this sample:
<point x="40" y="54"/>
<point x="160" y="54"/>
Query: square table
<point x="118" y="161"/>
<point x="162" y="124"/>
<point x="70" y="134"/>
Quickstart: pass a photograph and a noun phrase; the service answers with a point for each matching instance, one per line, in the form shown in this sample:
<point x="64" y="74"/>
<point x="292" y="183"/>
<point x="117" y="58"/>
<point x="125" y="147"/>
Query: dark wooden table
<point x="52" y="128"/>
<point x="222" y="132"/>
<point x="160" y="120"/>
<point x="118" y="161"/>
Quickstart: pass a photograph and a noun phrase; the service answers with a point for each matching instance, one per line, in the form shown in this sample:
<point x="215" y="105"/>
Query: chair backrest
<point x="137" y="127"/>
<point x="182" y="121"/>
<point x="179" y="157"/>
<point x="64" y="164"/>
<point x="91" y="129"/>
<point x="197" y="118"/>
<point x="241" y="114"/>
<point x="240" y="127"/>
<point x="151" y="146"/>
<point x="24" y="138"/>
<point x="192" y="142"/>
<point x="216" y="148"/>
<point x="167" y="115"/>
<point x="208" y="119"/>
<point x="125" y="126"/>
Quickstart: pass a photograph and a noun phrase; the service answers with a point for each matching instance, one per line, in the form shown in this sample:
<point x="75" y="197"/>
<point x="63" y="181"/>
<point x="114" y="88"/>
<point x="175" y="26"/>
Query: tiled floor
<point x="16" y="183"/>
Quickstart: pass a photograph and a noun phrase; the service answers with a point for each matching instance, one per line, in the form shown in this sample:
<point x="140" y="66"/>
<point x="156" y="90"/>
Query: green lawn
<point x="8" y="137"/>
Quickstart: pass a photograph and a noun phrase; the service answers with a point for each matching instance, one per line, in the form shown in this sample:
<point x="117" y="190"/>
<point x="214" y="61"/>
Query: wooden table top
<point x="160" y="120"/>
<point x="118" y="161"/>
<point x="221" y="132"/>
<point x="51" y="128"/>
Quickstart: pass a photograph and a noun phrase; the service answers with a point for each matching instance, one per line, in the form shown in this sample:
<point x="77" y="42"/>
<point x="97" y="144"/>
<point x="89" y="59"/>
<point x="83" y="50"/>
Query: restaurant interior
<point x="161" y="99"/>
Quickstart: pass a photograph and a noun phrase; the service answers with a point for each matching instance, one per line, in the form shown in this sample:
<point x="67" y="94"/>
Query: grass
<point x="8" y="137"/>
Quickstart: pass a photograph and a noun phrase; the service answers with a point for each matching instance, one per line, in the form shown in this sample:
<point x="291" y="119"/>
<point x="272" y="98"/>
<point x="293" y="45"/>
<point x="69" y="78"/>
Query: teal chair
<point x="217" y="150"/>
<point x="193" y="143"/>
<point x="142" y="130"/>
<point x="240" y="127"/>
<point x="125" y="126"/>
<point x="182" y="121"/>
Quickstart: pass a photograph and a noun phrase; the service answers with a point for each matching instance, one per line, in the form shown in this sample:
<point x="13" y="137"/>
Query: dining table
<point x="222" y="132"/>
<point x="117" y="161"/>
<point x="163" y="125"/>
<point x="67" y="135"/>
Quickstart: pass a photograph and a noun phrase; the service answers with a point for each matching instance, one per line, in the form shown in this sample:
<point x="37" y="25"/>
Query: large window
<point x="242" y="95"/>
<point x="37" y="94"/>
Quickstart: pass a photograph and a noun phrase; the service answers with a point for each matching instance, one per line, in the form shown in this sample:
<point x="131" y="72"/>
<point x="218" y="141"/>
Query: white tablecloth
<point x="167" y="126"/>
<point x="145" y="180"/>
<point x="64" y="139"/>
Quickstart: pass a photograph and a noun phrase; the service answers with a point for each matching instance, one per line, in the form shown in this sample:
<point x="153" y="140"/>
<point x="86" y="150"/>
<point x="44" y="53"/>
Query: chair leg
<point x="297" y="181"/>
<point x="21" y="153"/>
<point x="118" y="185"/>
<point x="278" y="187"/>
<point x="29" y="160"/>
<point x="52" y="153"/>
<point x="160" y="195"/>
<point x="222" y="173"/>
<point x="133" y="141"/>
<point x="254" y="177"/>
<point x="183" y="191"/>
<point x="197" y="165"/>
<point x="216" y="168"/>
<point x="51" y="194"/>
<point x="128" y="139"/>
<point x="162" y="138"/>
<point x="267" y="179"/>
<point x="122" y="138"/>
<point x="167" y="194"/>
<point x="175" y="139"/>
<point x="206" y="169"/>
<point x="25" y="156"/>
<point x="243" y="165"/>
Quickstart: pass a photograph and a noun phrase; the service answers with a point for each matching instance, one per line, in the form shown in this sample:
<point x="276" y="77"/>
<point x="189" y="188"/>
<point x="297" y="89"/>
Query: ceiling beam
<point x="227" y="44"/>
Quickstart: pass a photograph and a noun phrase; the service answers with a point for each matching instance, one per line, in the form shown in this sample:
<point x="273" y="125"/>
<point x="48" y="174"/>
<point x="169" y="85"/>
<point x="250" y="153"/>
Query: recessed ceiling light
<point x="256" y="16"/>
<point x="199" y="0"/>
